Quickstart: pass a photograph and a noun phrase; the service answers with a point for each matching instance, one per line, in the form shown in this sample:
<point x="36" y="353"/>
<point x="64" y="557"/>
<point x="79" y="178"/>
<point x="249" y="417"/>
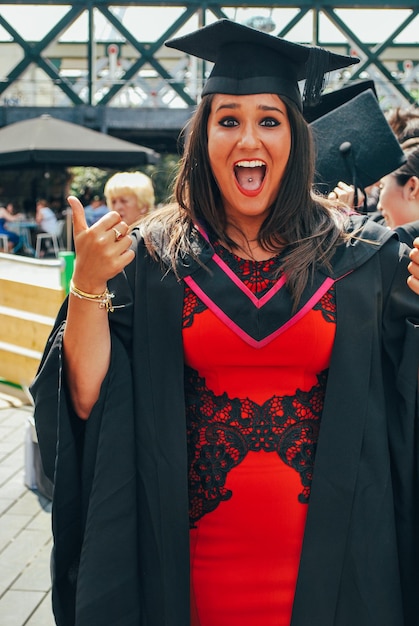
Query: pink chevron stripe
<point x="258" y="302"/>
<point x="328" y="282"/>
<point x="200" y="229"/>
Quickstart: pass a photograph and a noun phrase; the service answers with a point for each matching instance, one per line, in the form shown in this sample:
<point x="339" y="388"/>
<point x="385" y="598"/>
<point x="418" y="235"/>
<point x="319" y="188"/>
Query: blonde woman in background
<point x="131" y="194"/>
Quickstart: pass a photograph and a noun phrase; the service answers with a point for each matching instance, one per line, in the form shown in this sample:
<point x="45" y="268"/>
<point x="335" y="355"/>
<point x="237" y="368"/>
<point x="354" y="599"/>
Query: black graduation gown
<point x="408" y="232"/>
<point x="120" y="510"/>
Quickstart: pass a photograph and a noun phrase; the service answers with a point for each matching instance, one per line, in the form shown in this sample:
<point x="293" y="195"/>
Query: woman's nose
<point x="249" y="137"/>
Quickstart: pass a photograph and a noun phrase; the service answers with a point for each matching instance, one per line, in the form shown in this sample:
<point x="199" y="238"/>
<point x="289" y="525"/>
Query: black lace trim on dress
<point x="327" y="305"/>
<point x="258" y="276"/>
<point x="222" y="430"/>
<point x="192" y="305"/>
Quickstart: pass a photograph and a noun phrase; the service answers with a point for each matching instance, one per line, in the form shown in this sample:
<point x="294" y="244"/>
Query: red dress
<point x="253" y="411"/>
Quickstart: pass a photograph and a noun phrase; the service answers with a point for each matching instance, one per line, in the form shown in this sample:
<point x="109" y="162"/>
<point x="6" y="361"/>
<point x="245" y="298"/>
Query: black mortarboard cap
<point x="331" y="100"/>
<point x="354" y="143"/>
<point x="249" y="61"/>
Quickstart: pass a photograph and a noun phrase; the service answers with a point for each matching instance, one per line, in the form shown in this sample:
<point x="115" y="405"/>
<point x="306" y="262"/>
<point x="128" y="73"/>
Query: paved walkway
<point x="25" y="524"/>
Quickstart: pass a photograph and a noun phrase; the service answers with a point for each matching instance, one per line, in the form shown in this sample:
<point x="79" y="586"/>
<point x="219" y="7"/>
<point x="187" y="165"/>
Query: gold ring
<point x="118" y="234"/>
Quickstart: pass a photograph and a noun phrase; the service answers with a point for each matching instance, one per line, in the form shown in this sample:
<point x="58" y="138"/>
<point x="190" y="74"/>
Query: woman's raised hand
<point x="102" y="251"/>
<point x="346" y="193"/>
<point x="413" y="267"/>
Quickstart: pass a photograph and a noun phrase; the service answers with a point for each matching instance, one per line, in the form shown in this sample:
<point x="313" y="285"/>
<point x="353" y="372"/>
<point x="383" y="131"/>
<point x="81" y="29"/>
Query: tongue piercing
<point x="249" y="180"/>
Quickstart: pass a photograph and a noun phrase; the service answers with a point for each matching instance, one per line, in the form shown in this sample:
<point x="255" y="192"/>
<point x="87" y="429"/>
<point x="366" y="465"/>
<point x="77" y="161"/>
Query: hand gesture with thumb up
<point x="102" y="251"/>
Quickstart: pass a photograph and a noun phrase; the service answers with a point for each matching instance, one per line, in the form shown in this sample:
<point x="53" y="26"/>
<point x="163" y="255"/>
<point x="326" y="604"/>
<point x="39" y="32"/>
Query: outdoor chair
<point x="55" y="238"/>
<point x="4" y="243"/>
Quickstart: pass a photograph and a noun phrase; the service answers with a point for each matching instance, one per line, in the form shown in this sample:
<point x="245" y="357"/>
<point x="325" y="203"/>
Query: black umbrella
<point x="50" y="141"/>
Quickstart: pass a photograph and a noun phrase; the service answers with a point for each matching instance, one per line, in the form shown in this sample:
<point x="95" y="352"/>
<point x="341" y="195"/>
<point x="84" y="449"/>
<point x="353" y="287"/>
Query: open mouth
<point x="250" y="174"/>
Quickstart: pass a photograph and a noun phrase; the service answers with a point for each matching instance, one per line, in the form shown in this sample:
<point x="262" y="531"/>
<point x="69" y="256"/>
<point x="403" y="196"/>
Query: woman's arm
<point x="87" y="345"/>
<point x="8" y="216"/>
<point x="38" y="214"/>
<point x="16" y="217"/>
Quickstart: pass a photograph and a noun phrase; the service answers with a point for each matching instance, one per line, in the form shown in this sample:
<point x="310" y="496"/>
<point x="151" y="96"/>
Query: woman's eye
<point x="270" y="122"/>
<point x="228" y="122"/>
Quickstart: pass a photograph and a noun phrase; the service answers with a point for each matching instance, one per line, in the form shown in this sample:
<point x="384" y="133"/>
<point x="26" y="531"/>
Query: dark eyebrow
<point x="265" y="107"/>
<point x="227" y="106"/>
<point x="261" y="107"/>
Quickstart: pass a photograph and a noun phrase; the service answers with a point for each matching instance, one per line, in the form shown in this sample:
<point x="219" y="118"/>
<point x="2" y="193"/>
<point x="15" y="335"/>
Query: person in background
<point x="399" y="197"/>
<point x="45" y="217"/>
<point x="8" y="216"/>
<point x="46" y="223"/>
<point x="10" y="207"/>
<point x="131" y="194"/>
<point x="401" y="210"/>
<point x="404" y="123"/>
<point x="95" y="210"/>
<point x="413" y="280"/>
<point x="227" y="404"/>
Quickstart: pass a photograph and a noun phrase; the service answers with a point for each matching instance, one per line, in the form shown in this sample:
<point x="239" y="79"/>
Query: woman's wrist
<point x="102" y="299"/>
<point x="87" y="285"/>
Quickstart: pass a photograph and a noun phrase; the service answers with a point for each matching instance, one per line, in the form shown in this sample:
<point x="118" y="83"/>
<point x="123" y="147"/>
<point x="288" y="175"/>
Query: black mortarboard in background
<point x="355" y="144"/>
<point x="249" y="61"/>
<point x="331" y="100"/>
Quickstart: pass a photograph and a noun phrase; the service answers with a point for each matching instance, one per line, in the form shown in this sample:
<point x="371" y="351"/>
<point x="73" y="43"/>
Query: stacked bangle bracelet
<point x="103" y="299"/>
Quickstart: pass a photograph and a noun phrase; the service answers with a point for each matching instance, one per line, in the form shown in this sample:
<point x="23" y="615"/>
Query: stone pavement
<point x="25" y="524"/>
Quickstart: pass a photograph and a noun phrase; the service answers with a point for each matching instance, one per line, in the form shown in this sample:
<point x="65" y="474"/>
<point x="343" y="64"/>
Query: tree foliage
<point x="91" y="180"/>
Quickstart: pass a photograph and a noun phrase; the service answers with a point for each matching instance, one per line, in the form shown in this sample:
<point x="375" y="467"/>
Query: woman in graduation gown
<point x="227" y="404"/>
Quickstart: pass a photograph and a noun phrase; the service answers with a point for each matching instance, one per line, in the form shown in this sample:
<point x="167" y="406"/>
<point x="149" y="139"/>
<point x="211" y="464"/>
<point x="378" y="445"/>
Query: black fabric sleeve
<point x="401" y="342"/>
<point x="92" y="465"/>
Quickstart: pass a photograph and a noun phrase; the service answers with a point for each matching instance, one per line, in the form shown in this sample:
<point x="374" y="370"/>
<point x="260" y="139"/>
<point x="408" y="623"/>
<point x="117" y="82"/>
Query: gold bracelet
<point x="104" y="299"/>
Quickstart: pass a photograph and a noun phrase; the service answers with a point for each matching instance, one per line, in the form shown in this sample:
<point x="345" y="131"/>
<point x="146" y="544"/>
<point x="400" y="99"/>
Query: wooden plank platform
<point x="30" y="297"/>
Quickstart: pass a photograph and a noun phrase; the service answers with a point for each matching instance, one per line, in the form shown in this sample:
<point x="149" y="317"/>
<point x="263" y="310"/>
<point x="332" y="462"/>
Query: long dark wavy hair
<point x="303" y="223"/>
